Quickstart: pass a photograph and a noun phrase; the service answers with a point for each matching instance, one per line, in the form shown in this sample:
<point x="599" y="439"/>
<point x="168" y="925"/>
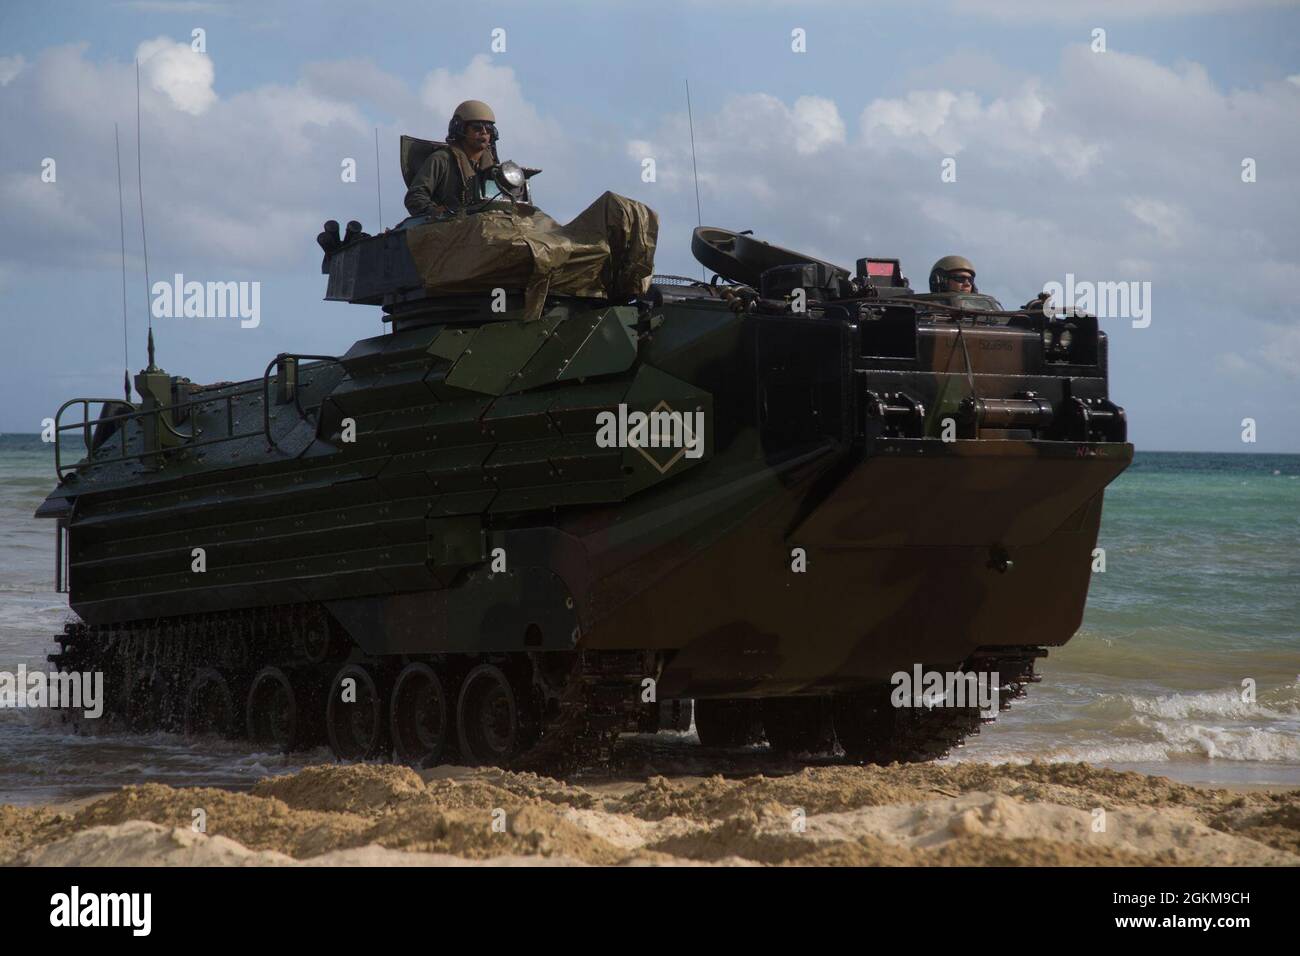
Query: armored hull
<point x="460" y="515"/>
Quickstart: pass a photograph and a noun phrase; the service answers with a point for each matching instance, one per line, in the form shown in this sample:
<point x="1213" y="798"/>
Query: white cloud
<point x="1169" y="221"/>
<point x="639" y="149"/>
<point x="10" y="67"/>
<point x="1011" y="129"/>
<point x="37" y="201"/>
<point x="176" y="70"/>
<point x="764" y="123"/>
<point x="754" y="125"/>
<point x="816" y="125"/>
<point x="1280" y="355"/>
<point x="358" y="80"/>
<point x="519" y="123"/>
<point x="922" y="113"/>
<point x="1232" y="364"/>
<point x="240" y="182"/>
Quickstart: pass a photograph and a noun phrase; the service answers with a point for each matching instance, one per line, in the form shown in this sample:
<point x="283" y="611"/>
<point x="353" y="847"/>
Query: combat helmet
<point x="471" y="111"/>
<point x="939" y="273"/>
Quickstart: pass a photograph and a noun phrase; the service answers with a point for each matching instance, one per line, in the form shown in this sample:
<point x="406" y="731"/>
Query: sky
<point x="822" y="126"/>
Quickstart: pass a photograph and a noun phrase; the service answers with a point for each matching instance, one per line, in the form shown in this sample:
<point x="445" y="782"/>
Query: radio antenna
<point x="139" y="175"/>
<point x="699" y="216"/>
<point x="378" y="191"/>
<point x="121" y="233"/>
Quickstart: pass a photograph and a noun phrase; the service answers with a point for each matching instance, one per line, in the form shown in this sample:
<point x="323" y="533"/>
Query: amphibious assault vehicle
<point x="558" y="500"/>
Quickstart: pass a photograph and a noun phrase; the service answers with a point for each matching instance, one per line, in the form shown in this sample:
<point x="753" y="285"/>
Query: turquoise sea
<point x="1201" y="593"/>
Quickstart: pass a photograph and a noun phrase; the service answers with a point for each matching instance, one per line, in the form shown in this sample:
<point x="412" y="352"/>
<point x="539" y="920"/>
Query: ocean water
<point x="1201" y="594"/>
<point x="1199" y="602"/>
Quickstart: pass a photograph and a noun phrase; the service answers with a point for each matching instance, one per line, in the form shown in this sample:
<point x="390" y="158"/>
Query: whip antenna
<point x="690" y="118"/>
<point x="378" y="191"/>
<point x="121" y="233"/>
<point x="140" y="185"/>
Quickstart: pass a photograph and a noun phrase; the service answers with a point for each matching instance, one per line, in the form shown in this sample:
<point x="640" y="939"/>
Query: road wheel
<point x="316" y="641"/>
<point x="419" y="711"/>
<point x="354" y="716"/>
<point x="491" y="726"/>
<point x="273" y="714"/>
<point x="209" y="705"/>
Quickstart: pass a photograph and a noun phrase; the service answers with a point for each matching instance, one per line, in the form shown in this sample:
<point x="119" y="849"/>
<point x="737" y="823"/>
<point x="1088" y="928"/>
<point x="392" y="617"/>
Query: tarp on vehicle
<point x="606" y="252"/>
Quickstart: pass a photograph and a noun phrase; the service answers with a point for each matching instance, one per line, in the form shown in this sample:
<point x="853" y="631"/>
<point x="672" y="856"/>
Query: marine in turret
<point x="450" y="178"/>
<point x="953" y="274"/>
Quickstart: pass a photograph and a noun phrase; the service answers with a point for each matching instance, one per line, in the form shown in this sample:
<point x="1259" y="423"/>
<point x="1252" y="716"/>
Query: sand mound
<point x="147" y="844"/>
<point x="815" y="790"/>
<point x="1157" y="836"/>
<point x="259" y="823"/>
<point x="916" y="815"/>
<point x="531" y="830"/>
<point x="139" y="843"/>
<point x="335" y="788"/>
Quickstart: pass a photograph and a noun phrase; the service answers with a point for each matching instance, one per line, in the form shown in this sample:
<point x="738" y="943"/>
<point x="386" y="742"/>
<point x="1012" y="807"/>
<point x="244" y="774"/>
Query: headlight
<point x="1066" y="337"/>
<point x="1047" y="338"/>
<point x="512" y="174"/>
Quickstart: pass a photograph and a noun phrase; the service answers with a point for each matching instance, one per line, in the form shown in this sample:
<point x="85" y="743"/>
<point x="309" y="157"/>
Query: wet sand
<point x="671" y="813"/>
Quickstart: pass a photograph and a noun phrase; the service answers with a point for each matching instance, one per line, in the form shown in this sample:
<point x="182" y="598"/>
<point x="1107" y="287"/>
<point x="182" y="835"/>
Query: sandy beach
<point x="918" y="815"/>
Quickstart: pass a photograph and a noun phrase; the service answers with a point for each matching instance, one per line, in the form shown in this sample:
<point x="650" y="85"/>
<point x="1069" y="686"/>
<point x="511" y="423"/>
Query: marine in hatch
<point x="449" y="179"/>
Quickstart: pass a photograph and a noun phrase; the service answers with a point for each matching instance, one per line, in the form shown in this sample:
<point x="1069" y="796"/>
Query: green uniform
<point x="445" y="180"/>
